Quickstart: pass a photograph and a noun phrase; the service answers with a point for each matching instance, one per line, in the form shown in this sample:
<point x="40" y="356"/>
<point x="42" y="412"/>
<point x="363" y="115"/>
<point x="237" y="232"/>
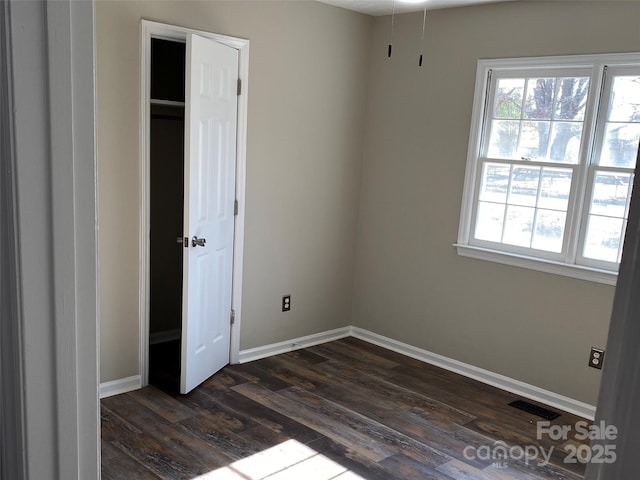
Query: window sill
<point x="541" y="265"/>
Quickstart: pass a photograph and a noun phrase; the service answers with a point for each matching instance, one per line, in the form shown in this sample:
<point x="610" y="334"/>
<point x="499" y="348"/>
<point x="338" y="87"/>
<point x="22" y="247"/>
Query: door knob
<point x="198" y="242"/>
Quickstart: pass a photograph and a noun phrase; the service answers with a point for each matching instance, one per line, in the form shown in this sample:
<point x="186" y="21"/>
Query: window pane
<point x="524" y="190"/>
<point x="565" y="142"/>
<point x="610" y="194"/>
<point x="518" y="226"/>
<point x="508" y="103"/>
<point x="495" y="181"/>
<point x="625" y="100"/>
<point x="539" y="135"/>
<point x="489" y="221"/>
<point x="571" y="98"/>
<point x="555" y="186"/>
<point x="539" y="101"/>
<point x="504" y="138"/>
<point x="549" y="230"/>
<point x="524" y="186"/>
<point x="603" y="238"/>
<point x="620" y="145"/>
<point x="622" y="131"/>
<point x="534" y="140"/>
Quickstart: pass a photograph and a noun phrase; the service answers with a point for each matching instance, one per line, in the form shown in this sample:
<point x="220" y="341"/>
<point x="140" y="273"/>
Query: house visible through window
<point x="551" y="160"/>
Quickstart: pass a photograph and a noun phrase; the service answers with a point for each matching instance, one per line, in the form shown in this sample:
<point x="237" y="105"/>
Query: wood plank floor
<point x="345" y="410"/>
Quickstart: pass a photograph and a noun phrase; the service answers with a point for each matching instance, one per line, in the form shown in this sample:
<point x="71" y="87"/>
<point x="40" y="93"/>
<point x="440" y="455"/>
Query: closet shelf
<point x="168" y="103"/>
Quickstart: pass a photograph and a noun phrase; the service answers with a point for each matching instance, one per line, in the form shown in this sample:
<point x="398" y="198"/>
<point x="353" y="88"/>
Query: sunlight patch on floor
<point x="291" y="460"/>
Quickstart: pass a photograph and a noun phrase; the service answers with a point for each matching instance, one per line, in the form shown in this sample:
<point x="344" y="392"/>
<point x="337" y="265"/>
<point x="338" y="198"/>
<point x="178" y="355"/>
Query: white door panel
<point x="210" y="153"/>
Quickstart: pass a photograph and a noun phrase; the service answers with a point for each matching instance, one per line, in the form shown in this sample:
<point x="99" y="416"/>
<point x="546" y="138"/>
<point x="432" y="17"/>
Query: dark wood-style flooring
<point x="343" y="410"/>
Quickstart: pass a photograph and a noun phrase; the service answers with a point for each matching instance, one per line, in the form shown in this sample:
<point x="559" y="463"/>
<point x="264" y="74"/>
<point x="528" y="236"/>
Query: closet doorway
<point x="194" y="125"/>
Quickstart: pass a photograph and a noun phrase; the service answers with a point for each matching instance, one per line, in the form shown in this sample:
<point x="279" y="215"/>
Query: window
<point x="551" y="162"/>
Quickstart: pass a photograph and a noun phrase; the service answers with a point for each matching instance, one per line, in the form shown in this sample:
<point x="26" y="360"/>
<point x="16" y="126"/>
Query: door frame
<point x="50" y="217"/>
<point x="149" y="29"/>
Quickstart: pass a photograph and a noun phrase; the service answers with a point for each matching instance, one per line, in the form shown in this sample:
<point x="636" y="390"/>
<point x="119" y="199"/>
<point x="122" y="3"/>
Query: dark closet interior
<point x="166" y="211"/>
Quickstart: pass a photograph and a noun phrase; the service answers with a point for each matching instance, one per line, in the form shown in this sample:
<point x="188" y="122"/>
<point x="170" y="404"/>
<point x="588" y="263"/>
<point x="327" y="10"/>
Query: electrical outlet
<point x="286" y="303"/>
<point x="596" y="357"/>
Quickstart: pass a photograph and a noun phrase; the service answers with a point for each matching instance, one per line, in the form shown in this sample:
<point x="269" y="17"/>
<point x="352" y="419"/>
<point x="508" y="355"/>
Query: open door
<point x="209" y="200"/>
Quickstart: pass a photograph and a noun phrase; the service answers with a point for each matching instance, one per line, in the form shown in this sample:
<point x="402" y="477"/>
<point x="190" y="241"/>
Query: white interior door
<point x="209" y="193"/>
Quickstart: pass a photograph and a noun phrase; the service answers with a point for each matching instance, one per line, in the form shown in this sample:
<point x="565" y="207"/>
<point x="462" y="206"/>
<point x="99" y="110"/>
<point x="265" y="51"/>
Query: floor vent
<point x="535" y="409"/>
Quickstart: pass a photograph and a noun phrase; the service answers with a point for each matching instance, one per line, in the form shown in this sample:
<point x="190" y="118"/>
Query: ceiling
<point x="385" y="7"/>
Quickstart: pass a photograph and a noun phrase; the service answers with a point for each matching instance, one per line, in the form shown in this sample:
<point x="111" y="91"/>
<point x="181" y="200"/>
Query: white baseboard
<point x="485" y="376"/>
<point x="122" y="385"/>
<point x="526" y="390"/>
<point x="294" y="344"/>
<point x="164" y="336"/>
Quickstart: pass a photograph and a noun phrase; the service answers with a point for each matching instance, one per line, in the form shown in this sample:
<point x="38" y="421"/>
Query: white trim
<point x="541" y="265"/>
<point x="160" y="30"/>
<point x="144" y="292"/>
<point x="241" y="181"/>
<point x="64" y="254"/>
<point x="562" y="61"/>
<point x="13" y="450"/>
<point x="257" y="353"/>
<point x="485" y="376"/>
<point x="71" y="53"/>
<point x="164" y="336"/>
<point x="53" y="115"/>
<point x="122" y="385"/>
<point x="473" y="149"/>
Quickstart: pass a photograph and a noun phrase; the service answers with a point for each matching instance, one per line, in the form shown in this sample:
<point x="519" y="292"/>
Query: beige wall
<point x="307" y="92"/>
<point x="323" y="95"/>
<point x="410" y="284"/>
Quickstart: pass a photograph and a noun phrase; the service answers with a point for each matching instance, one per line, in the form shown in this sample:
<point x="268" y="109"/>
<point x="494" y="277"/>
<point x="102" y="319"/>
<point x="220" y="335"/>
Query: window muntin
<point x="556" y="151"/>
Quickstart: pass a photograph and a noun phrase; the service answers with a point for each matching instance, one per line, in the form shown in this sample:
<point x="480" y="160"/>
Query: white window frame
<point x="569" y="262"/>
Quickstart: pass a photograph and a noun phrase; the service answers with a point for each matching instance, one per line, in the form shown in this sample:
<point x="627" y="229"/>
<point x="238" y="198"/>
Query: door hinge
<point x="239" y="86"/>
<point x="233" y="316"/>
<point x="235" y="208"/>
